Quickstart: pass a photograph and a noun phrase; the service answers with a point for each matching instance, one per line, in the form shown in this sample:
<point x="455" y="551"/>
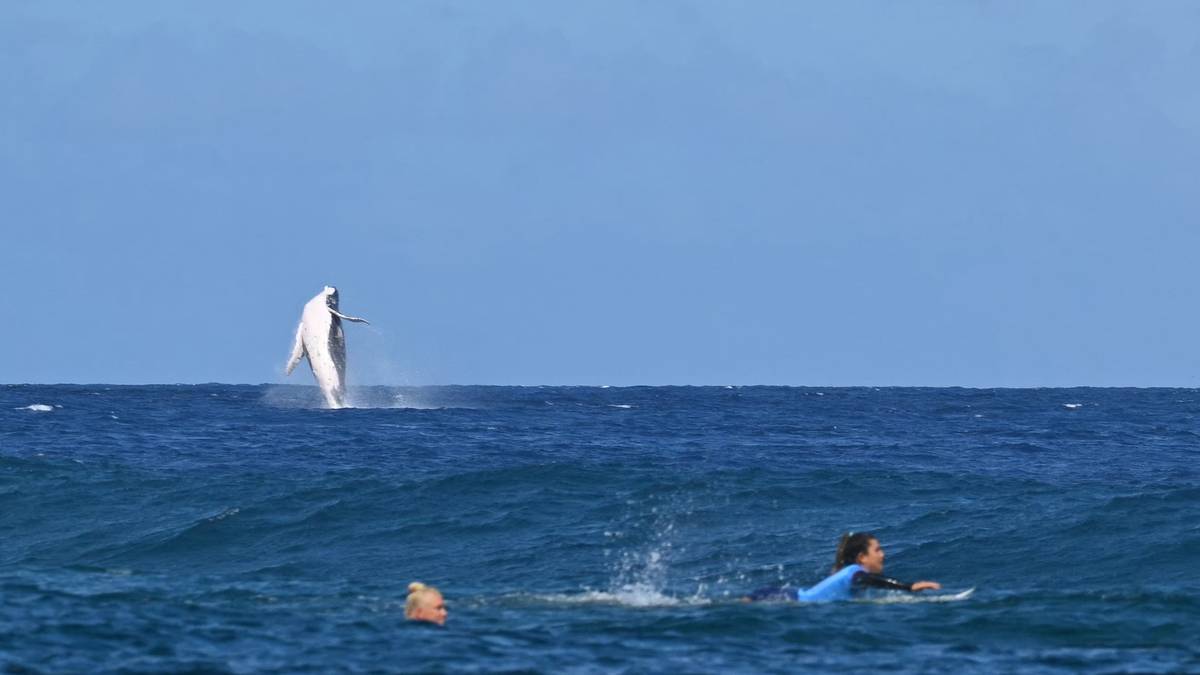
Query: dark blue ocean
<point x="242" y="529"/>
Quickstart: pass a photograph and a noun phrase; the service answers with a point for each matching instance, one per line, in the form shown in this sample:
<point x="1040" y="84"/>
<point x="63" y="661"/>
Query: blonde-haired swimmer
<point x="425" y="603"/>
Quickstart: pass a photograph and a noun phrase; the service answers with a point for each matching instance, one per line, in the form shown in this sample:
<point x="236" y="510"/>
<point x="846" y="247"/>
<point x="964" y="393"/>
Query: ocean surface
<point x="221" y="528"/>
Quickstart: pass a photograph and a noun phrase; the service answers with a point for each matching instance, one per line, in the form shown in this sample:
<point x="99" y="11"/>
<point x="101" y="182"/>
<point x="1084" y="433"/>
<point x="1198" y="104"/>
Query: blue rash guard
<point x="837" y="586"/>
<point x="843" y="584"/>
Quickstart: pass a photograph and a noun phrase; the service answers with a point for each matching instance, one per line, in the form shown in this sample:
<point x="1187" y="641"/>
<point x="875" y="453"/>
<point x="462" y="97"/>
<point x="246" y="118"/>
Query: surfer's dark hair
<point x="852" y="545"/>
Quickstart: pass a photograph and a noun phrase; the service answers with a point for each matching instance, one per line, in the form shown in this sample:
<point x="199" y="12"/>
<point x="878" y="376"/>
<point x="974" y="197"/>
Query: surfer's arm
<point x="355" y="319"/>
<point x="869" y="580"/>
<point x="297" y="349"/>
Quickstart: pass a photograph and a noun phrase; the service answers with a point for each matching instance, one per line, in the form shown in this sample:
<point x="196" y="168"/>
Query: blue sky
<point x="940" y="193"/>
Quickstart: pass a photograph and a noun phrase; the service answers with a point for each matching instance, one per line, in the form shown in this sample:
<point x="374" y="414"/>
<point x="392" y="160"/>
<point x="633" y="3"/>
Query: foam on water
<point x="376" y="397"/>
<point x="39" y="407"/>
<point x="629" y="596"/>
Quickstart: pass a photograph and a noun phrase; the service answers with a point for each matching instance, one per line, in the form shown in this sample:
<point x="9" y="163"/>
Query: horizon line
<point x="607" y="386"/>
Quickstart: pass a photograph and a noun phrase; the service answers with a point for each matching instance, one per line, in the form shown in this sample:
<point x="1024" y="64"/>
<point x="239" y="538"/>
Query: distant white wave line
<point x="39" y="407"/>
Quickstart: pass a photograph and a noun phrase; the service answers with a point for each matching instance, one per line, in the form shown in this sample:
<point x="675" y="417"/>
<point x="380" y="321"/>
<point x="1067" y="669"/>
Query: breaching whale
<point x="319" y="337"/>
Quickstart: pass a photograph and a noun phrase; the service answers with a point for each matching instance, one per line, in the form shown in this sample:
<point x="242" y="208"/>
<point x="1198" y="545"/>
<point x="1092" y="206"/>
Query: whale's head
<point x="331" y="296"/>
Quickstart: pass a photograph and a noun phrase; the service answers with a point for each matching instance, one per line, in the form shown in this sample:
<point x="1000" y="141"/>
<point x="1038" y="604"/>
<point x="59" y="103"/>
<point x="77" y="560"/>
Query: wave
<point x="39" y="407"/>
<point x="238" y="509"/>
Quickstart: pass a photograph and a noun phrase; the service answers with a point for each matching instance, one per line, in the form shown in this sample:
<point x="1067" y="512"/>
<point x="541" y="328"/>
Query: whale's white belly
<point x="325" y="346"/>
<point x="319" y="337"/>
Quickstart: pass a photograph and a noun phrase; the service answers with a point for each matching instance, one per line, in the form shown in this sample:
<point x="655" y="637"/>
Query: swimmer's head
<point x="425" y="603"/>
<point x="861" y="548"/>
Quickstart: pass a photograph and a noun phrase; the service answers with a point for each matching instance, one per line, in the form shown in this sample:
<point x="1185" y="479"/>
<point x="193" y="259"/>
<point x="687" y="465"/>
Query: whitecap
<point x="38" y="407"/>
<point x="1072" y="406"/>
<point x="224" y="514"/>
<point x="623" y="406"/>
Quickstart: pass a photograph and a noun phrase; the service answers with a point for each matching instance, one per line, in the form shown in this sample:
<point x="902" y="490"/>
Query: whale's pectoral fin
<point x="297" y="349"/>
<point x="355" y="319"/>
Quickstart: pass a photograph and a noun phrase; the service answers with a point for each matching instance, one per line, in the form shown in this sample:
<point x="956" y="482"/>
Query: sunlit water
<point x="242" y="529"/>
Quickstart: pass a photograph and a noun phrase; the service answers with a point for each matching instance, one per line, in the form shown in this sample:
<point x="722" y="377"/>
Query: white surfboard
<point x="921" y="597"/>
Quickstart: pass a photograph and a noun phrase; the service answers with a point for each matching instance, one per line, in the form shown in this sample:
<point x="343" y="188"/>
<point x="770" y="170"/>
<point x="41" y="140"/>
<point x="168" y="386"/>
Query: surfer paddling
<point x="857" y="566"/>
